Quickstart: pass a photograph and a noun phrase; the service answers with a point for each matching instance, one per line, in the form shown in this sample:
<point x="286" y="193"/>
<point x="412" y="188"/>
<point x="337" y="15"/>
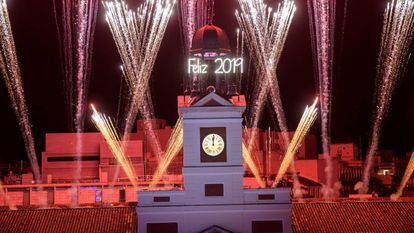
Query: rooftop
<point x="346" y="215"/>
<point x="111" y="219"/>
<point x="353" y="216"/>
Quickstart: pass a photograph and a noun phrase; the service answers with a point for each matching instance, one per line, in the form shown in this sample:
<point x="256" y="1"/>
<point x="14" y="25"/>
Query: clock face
<point x="213" y="144"/>
<point x="213" y="148"/>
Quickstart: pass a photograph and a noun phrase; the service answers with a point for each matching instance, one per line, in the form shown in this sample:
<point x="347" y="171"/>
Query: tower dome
<point x="210" y="41"/>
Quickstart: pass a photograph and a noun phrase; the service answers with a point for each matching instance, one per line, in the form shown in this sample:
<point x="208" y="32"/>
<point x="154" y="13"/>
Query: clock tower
<point x="213" y="198"/>
<point x="213" y="165"/>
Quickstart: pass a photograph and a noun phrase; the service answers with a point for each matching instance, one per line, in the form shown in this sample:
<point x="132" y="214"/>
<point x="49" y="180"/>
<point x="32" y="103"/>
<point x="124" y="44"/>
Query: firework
<point x="75" y="22"/>
<point x="11" y="73"/>
<point x="252" y="165"/>
<point x="394" y="54"/>
<point x="138" y="35"/>
<point x="193" y="15"/>
<point x="175" y="144"/>
<point x="265" y="32"/>
<point x="106" y="127"/>
<point x="322" y="27"/>
<point x="308" y="118"/>
<point x="146" y="111"/>
<point x="246" y="137"/>
<point x="268" y="153"/>
<point x="407" y="174"/>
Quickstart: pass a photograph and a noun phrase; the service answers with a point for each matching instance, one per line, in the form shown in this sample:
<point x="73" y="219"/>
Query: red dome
<point x="210" y="39"/>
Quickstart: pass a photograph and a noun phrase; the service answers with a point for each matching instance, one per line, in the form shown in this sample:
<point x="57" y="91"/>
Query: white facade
<point x="213" y="192"/>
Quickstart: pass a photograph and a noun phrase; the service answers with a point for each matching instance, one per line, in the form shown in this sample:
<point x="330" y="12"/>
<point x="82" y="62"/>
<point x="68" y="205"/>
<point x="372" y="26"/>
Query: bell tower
<point x="213" y="166"/>
<point x="213" y="198"/>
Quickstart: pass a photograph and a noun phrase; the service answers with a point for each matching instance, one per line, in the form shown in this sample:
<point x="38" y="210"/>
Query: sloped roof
<point x="212" y="99"/>
<point x="345" y="216"/>
<point x="354" y="216"/>
<point x="113" y="219"/>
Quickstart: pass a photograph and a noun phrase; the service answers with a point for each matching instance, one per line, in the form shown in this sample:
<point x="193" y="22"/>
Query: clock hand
<point x="213" y="140"/>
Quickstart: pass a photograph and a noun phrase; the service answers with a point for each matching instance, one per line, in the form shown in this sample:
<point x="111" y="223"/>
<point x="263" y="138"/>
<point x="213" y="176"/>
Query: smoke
<point x="331" y="193"/>
<point x="361" y="187"/>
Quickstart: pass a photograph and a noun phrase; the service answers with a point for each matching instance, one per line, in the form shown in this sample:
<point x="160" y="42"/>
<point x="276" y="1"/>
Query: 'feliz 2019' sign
<point x="223" y="66"/>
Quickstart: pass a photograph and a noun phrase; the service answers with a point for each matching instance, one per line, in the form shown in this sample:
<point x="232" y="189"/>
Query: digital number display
<point x="222" y="66"/>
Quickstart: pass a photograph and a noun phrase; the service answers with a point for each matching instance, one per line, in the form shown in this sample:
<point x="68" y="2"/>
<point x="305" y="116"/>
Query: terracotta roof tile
<point x="346" y="216"/>
<point x="353" y="217"/>
<point x="115" y="219"/>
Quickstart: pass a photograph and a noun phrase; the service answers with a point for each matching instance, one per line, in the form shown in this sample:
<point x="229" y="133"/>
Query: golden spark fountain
<point x="407" y="174"/>
<point x="175" y="144"/>
<point x="308" y="118"/>
<point x="105" y="125"/>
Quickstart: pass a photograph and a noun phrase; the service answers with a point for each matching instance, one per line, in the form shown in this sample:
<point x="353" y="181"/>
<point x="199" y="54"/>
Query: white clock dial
<point x="213" y="144"/>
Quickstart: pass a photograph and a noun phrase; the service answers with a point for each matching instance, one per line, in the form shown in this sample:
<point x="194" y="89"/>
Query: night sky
<point x="35" y="34"/>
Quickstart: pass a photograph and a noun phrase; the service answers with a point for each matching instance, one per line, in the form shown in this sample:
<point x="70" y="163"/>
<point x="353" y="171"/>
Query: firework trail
<point x="322" y="27"/>
<point x="138" y="35"/>
<point x="307" y="120"/>
<point x="75" y="21"/>
<point x="12" y="77"/>
<point x="343" y="27"/>
<point x="248" y="158"/>
<point x="407" y="174"/>
<point x="398" y="28"/>
<point x="105" y="125"/>
<point x="256" y="164"/>
<point x="175" y="144"/>
<point x="265" y="33"/>
<point x="239" y="53"/>
<point x="123" y="96"/>
<point x="193" y="15"/>
<point x="146" y="111"/>
<point x="268" y="153"/>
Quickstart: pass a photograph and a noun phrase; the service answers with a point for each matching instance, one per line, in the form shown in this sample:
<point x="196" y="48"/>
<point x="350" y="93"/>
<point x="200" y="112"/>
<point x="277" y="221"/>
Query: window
<point x="214" y="190"/>
<point x="73" y="158"/>
<point x="162" y="227"/>
<point x="161" y="199"/>
<point x="133" y="160"/>
<point x="266" y="196"/>
<point x="267" y="226"/>
<point x="122" y="195"/>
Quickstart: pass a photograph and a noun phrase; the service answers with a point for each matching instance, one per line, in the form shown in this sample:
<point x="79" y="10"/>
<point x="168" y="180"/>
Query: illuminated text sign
<point x="223" y="66"/>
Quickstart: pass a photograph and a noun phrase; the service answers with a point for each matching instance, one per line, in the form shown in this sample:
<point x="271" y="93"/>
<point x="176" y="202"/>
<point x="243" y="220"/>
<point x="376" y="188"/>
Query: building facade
<point x="213" y="195"/>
